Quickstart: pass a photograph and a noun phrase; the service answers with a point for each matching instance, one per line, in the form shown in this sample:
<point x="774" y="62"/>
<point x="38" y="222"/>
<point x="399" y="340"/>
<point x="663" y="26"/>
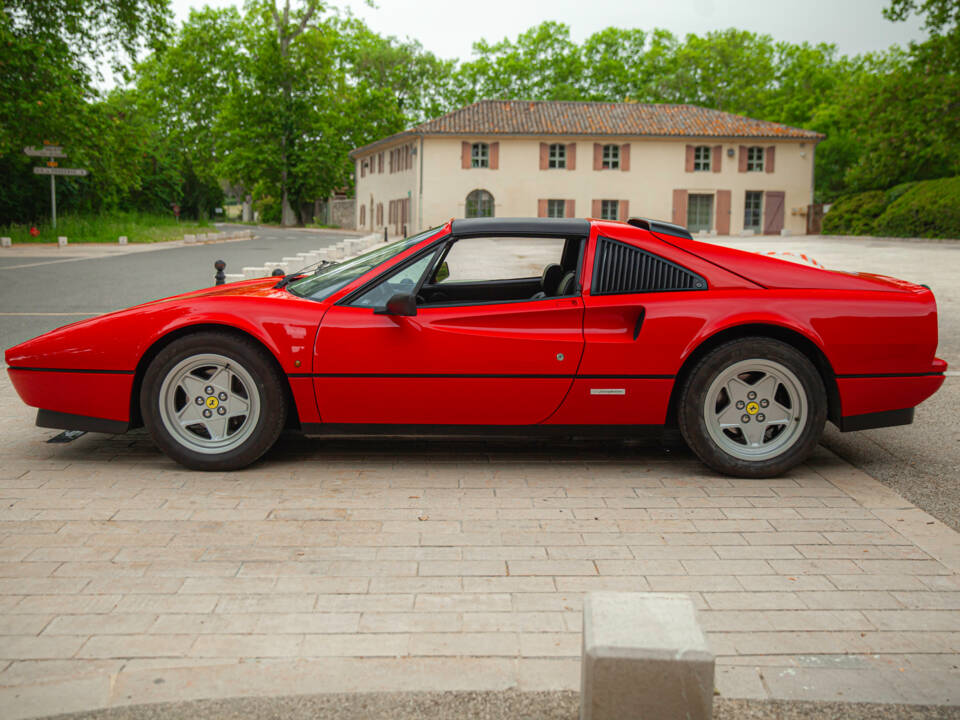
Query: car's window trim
<point x="350" y="297"/>
<point x="449" y="241"/>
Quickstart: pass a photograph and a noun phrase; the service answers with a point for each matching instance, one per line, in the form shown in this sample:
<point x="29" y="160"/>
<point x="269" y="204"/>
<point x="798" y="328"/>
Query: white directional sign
<point x="45" y="151"/>
<point x="58" y="171"/>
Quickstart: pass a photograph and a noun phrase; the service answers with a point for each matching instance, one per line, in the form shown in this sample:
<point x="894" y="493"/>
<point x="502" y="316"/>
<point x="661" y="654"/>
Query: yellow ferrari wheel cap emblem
<point x="752" y="408"/>
<point x="212" y="402"/>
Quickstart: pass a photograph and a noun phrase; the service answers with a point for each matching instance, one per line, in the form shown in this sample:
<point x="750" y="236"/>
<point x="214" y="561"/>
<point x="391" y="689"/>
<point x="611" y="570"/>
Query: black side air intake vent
<point x="622" y="268"/>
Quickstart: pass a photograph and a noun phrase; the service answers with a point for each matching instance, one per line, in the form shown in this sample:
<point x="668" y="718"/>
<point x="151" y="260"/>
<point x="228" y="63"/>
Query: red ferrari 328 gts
<point x="504" y="326"/>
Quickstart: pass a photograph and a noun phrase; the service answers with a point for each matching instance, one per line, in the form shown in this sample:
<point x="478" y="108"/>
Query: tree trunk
<point x="247" y="211"/>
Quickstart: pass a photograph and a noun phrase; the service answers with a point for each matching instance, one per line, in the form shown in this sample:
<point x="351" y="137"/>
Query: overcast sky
<point x="449" y="28"/>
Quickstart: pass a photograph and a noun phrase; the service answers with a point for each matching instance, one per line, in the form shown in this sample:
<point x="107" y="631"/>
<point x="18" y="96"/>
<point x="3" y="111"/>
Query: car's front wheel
<point x="753" y="407"/>
<point x="213" y="401"/>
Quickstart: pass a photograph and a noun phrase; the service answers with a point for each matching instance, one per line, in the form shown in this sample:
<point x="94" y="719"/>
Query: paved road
<point x="50" y="287"/>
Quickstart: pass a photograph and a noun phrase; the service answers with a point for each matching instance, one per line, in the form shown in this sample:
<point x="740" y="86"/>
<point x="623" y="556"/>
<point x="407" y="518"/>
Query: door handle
<point x="639" y="324"/>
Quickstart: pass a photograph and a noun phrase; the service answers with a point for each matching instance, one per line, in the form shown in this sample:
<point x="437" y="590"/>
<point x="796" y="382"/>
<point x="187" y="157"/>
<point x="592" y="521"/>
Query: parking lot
<point x="386" y="565"/>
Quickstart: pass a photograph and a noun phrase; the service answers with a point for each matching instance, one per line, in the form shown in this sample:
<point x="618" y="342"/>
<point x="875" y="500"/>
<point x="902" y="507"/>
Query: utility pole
<point x="53" y="200"/>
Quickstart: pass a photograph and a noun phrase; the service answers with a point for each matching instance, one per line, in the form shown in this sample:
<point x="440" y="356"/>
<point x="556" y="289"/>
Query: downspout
<point x="420" y="191"/>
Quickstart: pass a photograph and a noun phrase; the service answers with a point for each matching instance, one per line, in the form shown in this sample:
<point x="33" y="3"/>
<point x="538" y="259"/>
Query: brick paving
<point x="411" y="565"/>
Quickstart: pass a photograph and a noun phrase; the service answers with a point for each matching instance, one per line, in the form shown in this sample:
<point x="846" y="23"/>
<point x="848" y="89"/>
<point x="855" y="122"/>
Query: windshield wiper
<point x="285" y="280"/>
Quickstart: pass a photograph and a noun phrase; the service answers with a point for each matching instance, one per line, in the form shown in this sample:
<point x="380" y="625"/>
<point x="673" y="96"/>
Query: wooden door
<point x="773" y="213"/>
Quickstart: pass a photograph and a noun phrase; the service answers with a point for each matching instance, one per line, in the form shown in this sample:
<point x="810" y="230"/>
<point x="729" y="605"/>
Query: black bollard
<point x="404" y="231"/>
<point x="220" y="277"/>
<point x="277" y="272"/>
<point x="384" y="233"/>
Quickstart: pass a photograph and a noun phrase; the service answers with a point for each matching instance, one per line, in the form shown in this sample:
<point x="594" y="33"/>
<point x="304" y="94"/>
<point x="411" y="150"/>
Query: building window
<point x="611" y="157"/>
<point x="556" y="208"/>
<point x="558" y="156"/>
<point x="752" y="210"/>
<point x="479" y="203"/>
<point x="699" y="213"/>
<point x="755" y="159"/>
<point x="701" y="158"/>
<point x="480" y="157"/>
<point x="609" y="209"/>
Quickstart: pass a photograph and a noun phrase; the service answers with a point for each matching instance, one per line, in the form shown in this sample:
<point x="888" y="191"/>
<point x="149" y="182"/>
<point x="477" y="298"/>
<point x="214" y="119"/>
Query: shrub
<point x="929" y="209"/>
<point x="854" y="214"/>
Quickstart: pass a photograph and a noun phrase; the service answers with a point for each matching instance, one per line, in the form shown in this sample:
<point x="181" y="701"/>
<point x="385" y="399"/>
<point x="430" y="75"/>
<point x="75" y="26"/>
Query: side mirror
<point x="399" y="304"/>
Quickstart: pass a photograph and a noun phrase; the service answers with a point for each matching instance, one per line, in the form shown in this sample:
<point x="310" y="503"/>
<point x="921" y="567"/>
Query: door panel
<point x="501" y="364"/>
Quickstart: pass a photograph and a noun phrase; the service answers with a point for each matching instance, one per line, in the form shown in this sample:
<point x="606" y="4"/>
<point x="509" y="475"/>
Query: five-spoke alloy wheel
<point x="213" y="401"/>
<point x="753" y="407"/>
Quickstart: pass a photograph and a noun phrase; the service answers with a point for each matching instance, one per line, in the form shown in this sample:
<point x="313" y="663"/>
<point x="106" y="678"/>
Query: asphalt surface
<point x="484" y="706"/>
<point x="57" y="287"/>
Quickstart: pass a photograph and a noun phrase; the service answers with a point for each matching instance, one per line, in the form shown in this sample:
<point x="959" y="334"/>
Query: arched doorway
<point x="479" y="204"/>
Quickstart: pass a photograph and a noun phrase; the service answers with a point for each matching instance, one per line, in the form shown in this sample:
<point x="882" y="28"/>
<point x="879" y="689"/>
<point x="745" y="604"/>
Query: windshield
<point x="327" y="280"/>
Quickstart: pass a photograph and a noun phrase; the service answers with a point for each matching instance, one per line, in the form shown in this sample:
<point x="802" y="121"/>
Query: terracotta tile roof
<point x="523" y="117"/>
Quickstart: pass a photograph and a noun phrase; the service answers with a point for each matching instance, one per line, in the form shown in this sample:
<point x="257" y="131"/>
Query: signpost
<point x="52" y="151"/>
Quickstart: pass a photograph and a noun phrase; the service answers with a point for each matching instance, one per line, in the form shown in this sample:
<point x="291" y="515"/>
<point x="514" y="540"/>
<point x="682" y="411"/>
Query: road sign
<point x="45" y="151"/>
<point x="59" y="171"/>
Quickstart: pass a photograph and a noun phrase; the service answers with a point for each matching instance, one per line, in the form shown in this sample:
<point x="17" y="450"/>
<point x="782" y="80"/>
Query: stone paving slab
<point x="386" y="565"/>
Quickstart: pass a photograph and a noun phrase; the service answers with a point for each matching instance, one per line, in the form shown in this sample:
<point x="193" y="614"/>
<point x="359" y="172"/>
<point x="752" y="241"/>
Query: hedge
<point x="929" y="208"/>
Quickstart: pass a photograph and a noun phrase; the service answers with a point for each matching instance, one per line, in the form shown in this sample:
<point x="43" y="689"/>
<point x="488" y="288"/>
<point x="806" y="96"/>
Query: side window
<point x="499" y="258"/>
<point x="621" y="268"/>
<point x="402" y="281"/>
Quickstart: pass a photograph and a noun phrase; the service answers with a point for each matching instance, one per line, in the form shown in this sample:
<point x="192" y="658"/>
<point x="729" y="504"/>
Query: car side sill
<point x="868" y="421"/>
<point x="348" y="429"/>
<point x="68" y="421"/>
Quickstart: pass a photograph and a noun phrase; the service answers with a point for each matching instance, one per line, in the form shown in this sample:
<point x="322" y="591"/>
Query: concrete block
<point x="6" y="242"/>
<point x="189" y="239"/>
<point x="293" y="263"/>
<point x="746" y="233"/>
<point x="62" y="241"/>
<point x="644" y="656"/>
<point x="255" y="272"/>
<point x="233" y="277"/>
<point x="785" y="232"/>
<point x="122" y="240"/>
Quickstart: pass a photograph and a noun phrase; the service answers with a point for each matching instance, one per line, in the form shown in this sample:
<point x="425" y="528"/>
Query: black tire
<point x="804" y="435"/>
<point x="267" y="383"/>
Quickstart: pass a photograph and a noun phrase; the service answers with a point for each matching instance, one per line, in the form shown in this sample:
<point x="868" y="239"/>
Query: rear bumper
<point x="868" y="421"/>
<point x="883" y="400"/>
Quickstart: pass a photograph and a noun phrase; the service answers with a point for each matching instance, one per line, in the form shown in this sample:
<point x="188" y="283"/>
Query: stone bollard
<point x="189" y="239"/>
<point x="644" y="656"/>
<point x="220" y="278"/>
<point x="122" y="240"/>
<point x="271" y="266"/>
<point x="252" y="272"/>
<point x="62" y="241"/>
<point x="293" y="263"/>
<point x="784" y="232"/>
<point x="233" y="277"/>
<point x="6" y="242"/>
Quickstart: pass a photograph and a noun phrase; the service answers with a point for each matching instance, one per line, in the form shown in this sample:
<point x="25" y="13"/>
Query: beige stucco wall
<point x="657" y="167"/>
<point x="375" y="188"/>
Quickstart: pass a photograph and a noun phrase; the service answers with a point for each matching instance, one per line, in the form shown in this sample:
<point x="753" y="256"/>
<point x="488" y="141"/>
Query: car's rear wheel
<point x="753" y="407"/>
<point x="213" y="401"/>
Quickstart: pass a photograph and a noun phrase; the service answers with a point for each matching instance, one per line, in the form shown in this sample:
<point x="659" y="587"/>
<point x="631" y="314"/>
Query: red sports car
<point x="505" y="326"/>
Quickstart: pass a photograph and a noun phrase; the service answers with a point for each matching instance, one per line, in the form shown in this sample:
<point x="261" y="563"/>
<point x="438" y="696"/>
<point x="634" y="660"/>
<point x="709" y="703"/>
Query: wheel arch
<point x="136" y="417"/>
<point x="776" y="332"/>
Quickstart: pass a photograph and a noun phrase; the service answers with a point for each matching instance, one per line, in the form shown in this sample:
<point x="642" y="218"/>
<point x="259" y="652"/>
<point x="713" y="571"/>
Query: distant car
<point x="508" y="326"/>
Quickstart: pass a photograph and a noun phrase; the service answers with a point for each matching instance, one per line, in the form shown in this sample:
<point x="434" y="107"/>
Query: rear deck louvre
<point x="622" y="268"/>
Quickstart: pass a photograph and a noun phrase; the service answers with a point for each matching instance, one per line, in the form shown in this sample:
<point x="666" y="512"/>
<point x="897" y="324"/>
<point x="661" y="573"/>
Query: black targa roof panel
<point x="565" y="227"/>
